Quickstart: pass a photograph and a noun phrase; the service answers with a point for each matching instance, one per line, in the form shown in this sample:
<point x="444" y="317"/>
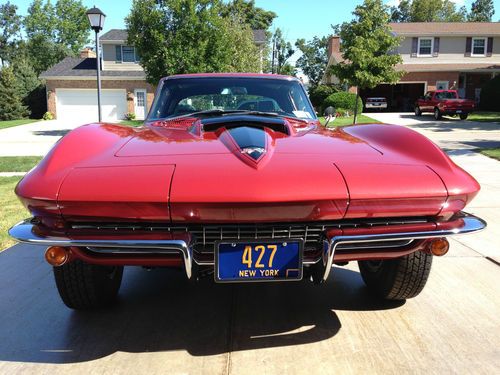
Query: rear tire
<point x="397" y="279"/>
<point x="464" y="116"/>
<point x="84" y="286"/>
<point x="418" y="111"/>
<point x="437" y="114"/>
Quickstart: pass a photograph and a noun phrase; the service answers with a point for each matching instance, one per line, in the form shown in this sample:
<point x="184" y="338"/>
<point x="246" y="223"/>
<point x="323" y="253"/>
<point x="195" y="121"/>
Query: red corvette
<point x="233" y="175"/>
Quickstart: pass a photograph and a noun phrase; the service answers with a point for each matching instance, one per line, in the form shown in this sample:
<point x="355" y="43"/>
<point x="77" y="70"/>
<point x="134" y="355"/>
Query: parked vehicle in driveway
<point x="444" y="102"/>
<point x="243" y="195"/>
<point x="376" y="103"/>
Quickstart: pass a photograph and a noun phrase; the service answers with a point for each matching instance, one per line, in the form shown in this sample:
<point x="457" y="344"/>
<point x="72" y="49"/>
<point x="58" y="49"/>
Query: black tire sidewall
<point x="84" y="286"/>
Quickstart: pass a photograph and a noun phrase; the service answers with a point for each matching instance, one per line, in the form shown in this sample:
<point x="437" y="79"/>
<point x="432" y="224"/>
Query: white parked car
<point x="376" y="103"/>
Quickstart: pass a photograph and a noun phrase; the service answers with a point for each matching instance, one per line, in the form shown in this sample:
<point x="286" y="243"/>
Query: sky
<point x="296" y="18"/>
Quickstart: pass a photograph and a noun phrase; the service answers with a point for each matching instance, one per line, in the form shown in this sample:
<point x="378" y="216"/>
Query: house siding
<point x="451" y="50"/>
<point x="128" y="85"/>
<point x="109" y="60"/>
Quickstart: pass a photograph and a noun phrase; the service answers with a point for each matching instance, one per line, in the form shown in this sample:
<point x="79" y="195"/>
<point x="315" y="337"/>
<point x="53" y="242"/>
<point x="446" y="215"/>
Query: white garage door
<point x="81" y="105"/>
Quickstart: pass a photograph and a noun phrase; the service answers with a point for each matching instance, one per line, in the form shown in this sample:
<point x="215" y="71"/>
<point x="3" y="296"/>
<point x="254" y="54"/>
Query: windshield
<point x="183" y="96"/>
<point x="446" y="95"/>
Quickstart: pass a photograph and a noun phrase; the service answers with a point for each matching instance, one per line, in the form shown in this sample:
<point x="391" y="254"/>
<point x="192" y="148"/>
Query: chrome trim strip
<point x="471" y="224"/>
<point x="23" y="232"/>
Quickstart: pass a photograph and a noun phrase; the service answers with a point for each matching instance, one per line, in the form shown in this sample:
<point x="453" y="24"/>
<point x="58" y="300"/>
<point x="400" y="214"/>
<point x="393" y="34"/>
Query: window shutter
<point x="468" y="47"/>
<point x="489" y="50"/>
<point x="118" y="50"/>
<point x="414" y="47"/>
<point x="435" y="53"/>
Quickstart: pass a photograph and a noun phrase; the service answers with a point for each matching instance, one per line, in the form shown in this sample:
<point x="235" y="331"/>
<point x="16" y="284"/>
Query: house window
<point x="479" y="46"/>
<point x="128" y="54"/>
<point x="425" y="46"/>
<point x="125" y="54"/>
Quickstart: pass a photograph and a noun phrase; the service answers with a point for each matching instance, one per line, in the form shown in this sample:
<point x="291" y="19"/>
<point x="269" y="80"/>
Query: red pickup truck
<point x="444" y="102"/>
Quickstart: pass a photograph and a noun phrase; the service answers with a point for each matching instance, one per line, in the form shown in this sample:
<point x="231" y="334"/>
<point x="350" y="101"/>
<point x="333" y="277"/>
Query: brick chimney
<point x="87" y="53"/>
<point x="333" y="45"/>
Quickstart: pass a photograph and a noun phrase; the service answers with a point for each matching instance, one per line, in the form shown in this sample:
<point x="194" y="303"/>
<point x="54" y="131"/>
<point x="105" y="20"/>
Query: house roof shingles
<point x="80" y="67"/>
<point x="446" y="28"/>
<point x="114" y="35"/>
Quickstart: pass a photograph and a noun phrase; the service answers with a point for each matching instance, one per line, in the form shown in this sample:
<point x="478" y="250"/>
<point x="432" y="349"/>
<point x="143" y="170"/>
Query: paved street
<point x="163" y="324"/>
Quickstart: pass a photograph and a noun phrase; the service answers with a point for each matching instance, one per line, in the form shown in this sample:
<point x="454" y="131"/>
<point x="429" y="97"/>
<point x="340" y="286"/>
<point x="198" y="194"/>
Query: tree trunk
<point x="356" y="107"/>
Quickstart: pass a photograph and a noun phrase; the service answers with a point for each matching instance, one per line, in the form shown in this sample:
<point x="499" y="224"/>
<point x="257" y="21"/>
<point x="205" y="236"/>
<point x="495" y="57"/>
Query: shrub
<point x="343" y="100"/>
<point x="130" y="116"/>
<point x="48" y="116"/>
<point x="490" y="94"/>
<point x="319" y="93"/>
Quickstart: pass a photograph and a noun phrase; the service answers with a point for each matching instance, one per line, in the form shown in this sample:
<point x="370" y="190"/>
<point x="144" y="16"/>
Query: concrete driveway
<point x="449" y="133"/>
<point x="163" y="324"/>
<point x="35" y="139"/>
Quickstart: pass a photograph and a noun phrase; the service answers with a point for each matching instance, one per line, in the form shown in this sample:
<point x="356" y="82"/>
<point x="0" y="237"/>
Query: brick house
<point x="437" y="55"/>
<point x="71" y="84"/>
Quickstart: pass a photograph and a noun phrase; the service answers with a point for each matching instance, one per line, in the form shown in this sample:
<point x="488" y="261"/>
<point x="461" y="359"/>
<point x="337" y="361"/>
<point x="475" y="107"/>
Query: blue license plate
<point x="246" y="261"/>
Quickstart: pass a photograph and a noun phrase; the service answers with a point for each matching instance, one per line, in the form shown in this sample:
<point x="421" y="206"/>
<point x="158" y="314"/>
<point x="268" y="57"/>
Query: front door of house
<point x="140" y="104"/>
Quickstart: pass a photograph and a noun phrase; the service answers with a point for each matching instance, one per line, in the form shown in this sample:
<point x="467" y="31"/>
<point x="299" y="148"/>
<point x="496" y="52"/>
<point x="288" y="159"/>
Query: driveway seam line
<point x="230" y="331"/>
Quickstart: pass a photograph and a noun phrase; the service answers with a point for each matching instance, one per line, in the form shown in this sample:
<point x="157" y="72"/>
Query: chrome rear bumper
<point x="26" y="232"/>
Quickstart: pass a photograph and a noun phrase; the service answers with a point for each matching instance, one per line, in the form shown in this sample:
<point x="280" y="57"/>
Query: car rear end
<point x="376" y="103"/>
<point x="460" y="107"/>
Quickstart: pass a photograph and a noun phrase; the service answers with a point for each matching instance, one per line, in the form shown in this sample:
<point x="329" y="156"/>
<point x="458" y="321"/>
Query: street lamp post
<point x="96" y="18"/>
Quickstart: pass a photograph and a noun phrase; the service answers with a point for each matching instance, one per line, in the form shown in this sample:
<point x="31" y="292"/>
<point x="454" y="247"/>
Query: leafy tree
<point x="288" y="70"/>
<point x="241" y="53"/>
<point x="189" y="36"/>
<point x="30" y="88"/>
<point x="10" y="27"/>
<point x="367" y="48"/>
<point x="54" y="32"/>
<point x="44" y="53"/>
<point x="401" y="12"/>
<point x="11" y="106"/>
<point x="72" y="25"/>
<point x="246" y="10"/>
<point x="427" y="11"/>
<point x="481" y="11"/>
<point x="314" y="58"/>
<point x="283" y="50"/>
<point x="41" y="20"/>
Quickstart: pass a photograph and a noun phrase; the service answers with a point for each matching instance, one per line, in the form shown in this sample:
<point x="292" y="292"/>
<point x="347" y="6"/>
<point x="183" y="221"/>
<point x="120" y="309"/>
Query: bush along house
<point x="462" y="56"/>
<point x="71" y="84"/>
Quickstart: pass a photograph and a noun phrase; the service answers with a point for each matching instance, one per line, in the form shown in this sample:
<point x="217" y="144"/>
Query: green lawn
<point x="12" y="210"/>
<point x="132" y="122"/>
<point x="18" y="163"/>
<point x="491" y="152"/>
<point x="342" y="121"/>
<point x="484" y="116"/>
<point x="11" y="123"/>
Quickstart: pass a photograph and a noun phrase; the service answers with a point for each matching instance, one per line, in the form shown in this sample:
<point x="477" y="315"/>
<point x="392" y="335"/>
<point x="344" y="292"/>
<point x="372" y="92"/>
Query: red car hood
<point x="282" y="171"/>
<point x="302" y="176"/>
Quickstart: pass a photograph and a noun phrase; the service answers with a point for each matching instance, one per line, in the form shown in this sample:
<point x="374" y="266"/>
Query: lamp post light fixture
<point x="96" y="18"/>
